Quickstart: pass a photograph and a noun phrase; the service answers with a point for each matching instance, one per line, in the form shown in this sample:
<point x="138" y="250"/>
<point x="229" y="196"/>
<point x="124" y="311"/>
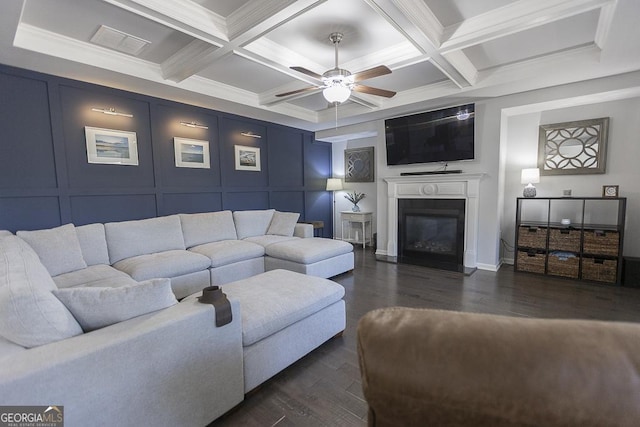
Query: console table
<point x="357" y="222"/>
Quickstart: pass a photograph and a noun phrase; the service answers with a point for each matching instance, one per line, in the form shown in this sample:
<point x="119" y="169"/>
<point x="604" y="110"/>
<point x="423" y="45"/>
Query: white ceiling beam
<point x="604" y="23"/>
<point x="246" y="24"/>
<point x="512" y="18"/>
<point x="185" y="16"/>
<point x="192" y="58"/>
<point x="412" y="19"/>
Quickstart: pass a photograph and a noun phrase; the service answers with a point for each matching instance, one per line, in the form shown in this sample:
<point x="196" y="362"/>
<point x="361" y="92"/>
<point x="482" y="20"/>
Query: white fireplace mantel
<point x="443" y="186"/>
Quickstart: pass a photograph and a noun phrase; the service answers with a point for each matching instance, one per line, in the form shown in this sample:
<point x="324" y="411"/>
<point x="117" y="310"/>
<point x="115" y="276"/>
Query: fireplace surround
<point x="462" y="186"/>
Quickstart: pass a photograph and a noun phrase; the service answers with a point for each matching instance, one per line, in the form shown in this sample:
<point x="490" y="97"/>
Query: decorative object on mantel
<point x="530" y="176"/>
<point x="610" y="190"/>
<point x="573" y="148"/>
<point x="358" y="164"/>
<point x="113" y="147"/>
<point x="355" y="198"/>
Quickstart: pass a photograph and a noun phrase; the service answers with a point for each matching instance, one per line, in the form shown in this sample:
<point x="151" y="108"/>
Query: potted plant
<point x="354" y="198"/>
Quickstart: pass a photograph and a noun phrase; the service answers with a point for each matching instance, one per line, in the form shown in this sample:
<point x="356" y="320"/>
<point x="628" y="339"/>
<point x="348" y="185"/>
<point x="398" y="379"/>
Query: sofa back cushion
<point x="283" y="223"/>
<point x="208" y="227"/>
<point x="93" y="243"/>
<point x="58" y="248"/>
<point x="30" y="315"/>
<point x="252" y="223"/>
<point x="147" y="236"/>
<point x="96" y="308"/>
<point x="5" y="233"/>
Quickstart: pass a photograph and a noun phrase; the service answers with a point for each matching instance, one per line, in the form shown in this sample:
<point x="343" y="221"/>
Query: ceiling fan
<point x="338" y="83"/>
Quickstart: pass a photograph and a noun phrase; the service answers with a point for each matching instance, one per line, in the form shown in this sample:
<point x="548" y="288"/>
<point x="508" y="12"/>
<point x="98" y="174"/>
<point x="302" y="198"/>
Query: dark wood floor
<point x="323" y="388"/>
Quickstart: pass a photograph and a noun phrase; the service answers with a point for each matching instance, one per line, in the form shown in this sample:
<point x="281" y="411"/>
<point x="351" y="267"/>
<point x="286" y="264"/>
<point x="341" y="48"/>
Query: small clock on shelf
<point x="610" y="191"/>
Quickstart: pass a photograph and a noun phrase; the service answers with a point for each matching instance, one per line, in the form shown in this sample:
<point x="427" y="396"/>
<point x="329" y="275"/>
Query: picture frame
<point x="573" y="148"/>
<point x="247" y="158"/>
<point x="359" y="164"/>
<point x="610" y="190"/>
<point x="111" y="147"/>
<point x="191" y="153"/>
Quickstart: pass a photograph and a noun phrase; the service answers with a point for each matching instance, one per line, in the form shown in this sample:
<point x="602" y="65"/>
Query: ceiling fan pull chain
<point x="336" y="104"/>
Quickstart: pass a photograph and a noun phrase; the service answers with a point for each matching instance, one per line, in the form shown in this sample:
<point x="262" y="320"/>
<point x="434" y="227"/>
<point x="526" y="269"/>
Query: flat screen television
<point x="435" y="136"/>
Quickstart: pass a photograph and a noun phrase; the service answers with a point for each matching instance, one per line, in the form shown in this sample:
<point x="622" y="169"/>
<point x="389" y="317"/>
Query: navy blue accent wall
<point x="46" y="180"/>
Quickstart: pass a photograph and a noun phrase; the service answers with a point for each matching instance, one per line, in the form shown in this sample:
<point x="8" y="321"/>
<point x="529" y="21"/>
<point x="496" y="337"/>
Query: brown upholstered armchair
<point x="425" y="367"/>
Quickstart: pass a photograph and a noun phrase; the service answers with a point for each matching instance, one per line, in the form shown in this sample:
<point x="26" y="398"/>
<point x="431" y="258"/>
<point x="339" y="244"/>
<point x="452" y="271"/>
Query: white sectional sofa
<point x="90" y="318"/>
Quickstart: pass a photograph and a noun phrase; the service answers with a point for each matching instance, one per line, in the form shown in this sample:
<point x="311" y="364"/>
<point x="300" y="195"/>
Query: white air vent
<point x="117" y="40"/>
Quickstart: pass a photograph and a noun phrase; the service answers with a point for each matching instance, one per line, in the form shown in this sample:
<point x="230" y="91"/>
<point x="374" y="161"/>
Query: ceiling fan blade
<point x="293" y="92"/>
<point x="307" y="72"/>
<point x="380" y="70"/>
<point x="374" y="91"/>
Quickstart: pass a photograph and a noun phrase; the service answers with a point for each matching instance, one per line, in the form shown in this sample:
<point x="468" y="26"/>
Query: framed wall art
<point x="191" y="153"/>
<point x="113" y="147"/>
<point x="573" y="148"/>
<point x="247" y="158"/>
<point x="610" y="190"/>
<point x="359" y="164"/>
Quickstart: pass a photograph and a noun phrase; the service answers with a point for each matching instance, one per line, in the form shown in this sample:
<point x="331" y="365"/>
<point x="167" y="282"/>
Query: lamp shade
<point x="530" y="176"/>
<point x="334" y="184"/>
<point x="336" y="93"/>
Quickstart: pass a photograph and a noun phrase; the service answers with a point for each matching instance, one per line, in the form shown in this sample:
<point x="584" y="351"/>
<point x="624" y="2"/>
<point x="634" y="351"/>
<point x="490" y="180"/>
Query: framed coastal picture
<point x="112" y="147"/>
<point x="247" y="158"/>
<point x="191" y="153"/>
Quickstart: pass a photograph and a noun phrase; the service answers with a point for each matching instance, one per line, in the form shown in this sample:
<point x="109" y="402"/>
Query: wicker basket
<point x="531" y="261"/>
<point x="564" y="239"/>
<point x="601" y="242"/>
<point x="600" y="269"/>
<point x="532" y="237"/>
<point x="561" y="266"/>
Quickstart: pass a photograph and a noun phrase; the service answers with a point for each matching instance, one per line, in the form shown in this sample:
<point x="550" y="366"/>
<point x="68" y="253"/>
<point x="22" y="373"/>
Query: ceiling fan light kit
<point x="338" y="83"/>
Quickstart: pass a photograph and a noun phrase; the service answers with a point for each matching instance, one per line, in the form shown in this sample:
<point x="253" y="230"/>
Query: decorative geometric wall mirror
<point x="358" y="164"/>
<point x="573" y="148"/>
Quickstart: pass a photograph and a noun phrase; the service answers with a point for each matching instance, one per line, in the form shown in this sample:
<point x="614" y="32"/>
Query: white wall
<point x="622" y="166"/>
<point x="506" y="141"/>
<point x="368" y="204"/>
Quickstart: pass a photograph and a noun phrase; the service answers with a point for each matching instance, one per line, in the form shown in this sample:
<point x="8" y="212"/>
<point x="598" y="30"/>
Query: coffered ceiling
<point x="235" y="55"/>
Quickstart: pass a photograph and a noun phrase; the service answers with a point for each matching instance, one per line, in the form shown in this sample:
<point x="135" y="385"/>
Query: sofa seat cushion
<point x="229" y="251"/>
<point x="308" y="251"/>
<point x="163" y="264"/>
<point x="268" y="239"/>
<point x="101" y="276"/>
<point x="273" y="300"/>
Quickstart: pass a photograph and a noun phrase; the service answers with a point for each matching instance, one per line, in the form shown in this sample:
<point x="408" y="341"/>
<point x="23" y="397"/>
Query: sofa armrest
<point x="303" y="230"/>
<point x="170" y="367"/>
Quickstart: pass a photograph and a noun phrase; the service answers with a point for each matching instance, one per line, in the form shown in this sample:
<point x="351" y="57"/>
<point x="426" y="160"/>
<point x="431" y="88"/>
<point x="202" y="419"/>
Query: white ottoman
<point x="285" y="315"/>
<point x="314" y="257"/>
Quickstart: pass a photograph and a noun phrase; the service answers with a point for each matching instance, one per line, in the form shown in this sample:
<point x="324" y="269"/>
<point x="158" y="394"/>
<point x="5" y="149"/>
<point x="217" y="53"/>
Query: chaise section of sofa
<point x="153" y="248"/>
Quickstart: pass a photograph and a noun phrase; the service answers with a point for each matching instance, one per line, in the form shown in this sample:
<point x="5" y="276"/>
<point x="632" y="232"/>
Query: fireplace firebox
<point x="431" y="233"/>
